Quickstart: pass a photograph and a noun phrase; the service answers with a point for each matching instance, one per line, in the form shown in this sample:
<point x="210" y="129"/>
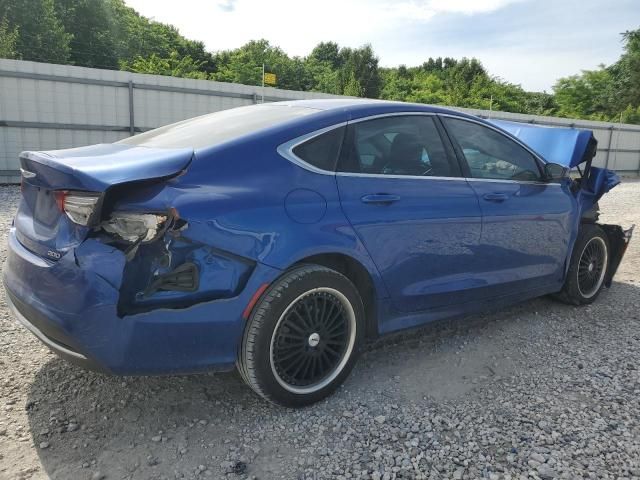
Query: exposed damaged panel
<point x="135" y="227"/>
<point x="618" y="243"/>
<point x="104" y="260"/>
<point x="153" y="263"/>
<point x="594" y="184"/>
<point x="176" y="272"/>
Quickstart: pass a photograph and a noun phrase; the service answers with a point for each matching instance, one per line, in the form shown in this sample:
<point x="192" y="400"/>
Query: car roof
<point x="365" y="105"/>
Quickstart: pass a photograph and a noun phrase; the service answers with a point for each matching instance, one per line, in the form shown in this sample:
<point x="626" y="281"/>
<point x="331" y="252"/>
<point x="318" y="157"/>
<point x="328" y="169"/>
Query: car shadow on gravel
<point x="82" y="422"/>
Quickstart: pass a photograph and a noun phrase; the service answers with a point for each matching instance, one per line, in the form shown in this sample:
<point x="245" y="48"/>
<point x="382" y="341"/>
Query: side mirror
<point x="554" y="171"/>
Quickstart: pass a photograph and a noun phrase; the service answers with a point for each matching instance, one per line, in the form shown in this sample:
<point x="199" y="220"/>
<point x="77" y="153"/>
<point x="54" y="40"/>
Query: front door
<point x="527" y="222"/>
<point x="401" y="188"/>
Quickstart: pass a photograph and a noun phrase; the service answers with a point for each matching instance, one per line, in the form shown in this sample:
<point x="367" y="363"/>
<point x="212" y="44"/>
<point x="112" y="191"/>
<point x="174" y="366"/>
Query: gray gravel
<point x="540" y="390"/>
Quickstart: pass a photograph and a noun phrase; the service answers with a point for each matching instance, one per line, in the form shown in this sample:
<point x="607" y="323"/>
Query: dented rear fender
<point x="189" y="262"/>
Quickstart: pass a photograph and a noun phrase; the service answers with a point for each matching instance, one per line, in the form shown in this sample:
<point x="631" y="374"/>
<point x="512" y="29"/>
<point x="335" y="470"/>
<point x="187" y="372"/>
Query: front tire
<point x="588" y="267"/>
<point x="303" y="336"/>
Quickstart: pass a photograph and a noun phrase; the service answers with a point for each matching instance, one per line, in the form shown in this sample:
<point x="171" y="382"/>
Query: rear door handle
<point x="495" y="197"/>
<point x="380" y="198"/>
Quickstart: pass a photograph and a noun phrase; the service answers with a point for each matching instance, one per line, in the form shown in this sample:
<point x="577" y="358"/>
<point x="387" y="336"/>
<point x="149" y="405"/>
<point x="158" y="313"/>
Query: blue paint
<point x="305" y="206"/>
<point x="564" y="146"/>
<point x="441" y="247"/>
<point x="98" y="167"/>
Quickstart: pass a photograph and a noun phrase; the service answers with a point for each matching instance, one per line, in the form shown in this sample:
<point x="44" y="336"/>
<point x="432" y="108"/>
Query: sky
<point x="527" y="42"/>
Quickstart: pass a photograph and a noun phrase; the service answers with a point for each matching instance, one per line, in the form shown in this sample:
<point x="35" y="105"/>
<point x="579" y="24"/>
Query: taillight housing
<point x="80" y="207"/>
<point x="135" y="227"/>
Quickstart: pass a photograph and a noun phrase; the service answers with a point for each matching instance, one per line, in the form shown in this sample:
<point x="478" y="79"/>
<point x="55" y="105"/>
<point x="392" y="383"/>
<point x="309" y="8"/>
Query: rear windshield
<point x="214" y="128"/>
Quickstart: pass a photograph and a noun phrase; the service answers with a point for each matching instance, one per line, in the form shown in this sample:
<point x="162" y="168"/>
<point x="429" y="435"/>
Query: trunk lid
<point x="97" y="167"/>
<point x="40" y="224"/>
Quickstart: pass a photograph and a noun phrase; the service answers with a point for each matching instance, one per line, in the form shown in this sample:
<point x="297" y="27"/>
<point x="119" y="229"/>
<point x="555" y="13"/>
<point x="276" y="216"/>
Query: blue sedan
<point x="278" y="238"/>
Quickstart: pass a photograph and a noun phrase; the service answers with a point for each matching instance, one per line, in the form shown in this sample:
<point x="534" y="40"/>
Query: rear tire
<point x="588" y="267"/>
<point x="303" y="336"/>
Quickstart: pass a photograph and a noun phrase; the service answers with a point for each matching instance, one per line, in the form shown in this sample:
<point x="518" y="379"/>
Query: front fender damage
<point x="618" y="242"/>
<point x="595" y="183"/>
<point x="173" y="271"/>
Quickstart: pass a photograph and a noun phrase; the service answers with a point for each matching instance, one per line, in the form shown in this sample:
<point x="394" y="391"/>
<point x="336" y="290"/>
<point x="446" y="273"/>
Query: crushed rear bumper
<point x="74" y="311"/>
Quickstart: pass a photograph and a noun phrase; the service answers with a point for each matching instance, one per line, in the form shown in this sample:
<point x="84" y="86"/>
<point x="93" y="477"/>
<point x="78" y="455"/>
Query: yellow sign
<point x="269" y="78"/>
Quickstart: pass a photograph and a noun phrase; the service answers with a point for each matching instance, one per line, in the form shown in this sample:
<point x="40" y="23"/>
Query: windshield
<point x="215" y="128"/>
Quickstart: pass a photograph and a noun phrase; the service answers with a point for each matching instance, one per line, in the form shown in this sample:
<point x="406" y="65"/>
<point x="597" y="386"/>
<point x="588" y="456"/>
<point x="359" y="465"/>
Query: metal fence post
<point x="132" y="125"/>
<point x="606" y="162"/>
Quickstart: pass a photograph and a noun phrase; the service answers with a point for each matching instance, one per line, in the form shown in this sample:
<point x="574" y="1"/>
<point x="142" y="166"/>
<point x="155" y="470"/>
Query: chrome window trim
<point x="286" y="151"/>
<point x="409" y="177"/>
<point x="506" y="180"/>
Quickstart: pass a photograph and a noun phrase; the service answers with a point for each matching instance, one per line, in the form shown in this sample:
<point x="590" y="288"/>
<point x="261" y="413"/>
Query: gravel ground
<point x="540" y="390"/>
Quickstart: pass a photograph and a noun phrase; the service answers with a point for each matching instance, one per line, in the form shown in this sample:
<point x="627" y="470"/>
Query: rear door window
<point x="408" y="145"/>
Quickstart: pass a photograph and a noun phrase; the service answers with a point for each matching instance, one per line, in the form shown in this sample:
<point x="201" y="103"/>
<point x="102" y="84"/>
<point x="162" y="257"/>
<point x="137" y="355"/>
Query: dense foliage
<point x="108" y="34"/>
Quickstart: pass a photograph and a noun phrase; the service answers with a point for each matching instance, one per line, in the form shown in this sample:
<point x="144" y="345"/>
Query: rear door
<point x="526" y="221"/>
<point x="401" y="188"/>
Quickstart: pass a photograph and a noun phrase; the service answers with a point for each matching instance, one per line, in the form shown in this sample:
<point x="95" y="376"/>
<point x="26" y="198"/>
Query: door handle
<point x="495" y="197"/>
<point x="380" y="198"/>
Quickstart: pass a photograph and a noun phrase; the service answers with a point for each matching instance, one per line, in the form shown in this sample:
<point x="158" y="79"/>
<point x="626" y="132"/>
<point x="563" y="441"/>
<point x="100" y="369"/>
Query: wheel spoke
<point x="303" y="320"/>
<point x="324" y="309"/>
<point x="309" y="318"/>
<point x="332" y="350"/>
<point x="329" y="313"/>
<point x="296" y="353"/>
<point x="294" y="326"/>
<point x="336" y="328"/>
<point x="316" y="311"/>
<point x="335" y="320"/>
<point x="292" y="336"/>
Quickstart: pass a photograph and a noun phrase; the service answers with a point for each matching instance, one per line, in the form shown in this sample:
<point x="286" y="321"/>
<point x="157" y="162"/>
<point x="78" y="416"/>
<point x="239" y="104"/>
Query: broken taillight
<point x="78" y="207"/>
<point x="135" y="227"/>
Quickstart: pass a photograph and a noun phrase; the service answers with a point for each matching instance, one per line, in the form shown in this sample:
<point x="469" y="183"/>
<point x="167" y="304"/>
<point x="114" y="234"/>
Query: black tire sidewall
<point x="263" y="321"/>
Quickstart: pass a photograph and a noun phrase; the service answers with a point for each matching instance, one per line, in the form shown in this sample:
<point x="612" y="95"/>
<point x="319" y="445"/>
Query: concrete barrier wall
<point x="45" y="106"/>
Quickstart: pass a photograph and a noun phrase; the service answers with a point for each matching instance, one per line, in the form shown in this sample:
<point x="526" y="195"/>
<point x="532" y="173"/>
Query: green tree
<point x="40" y="35"/>
<point x="585" y="96"/>
<point x="8" y="39"/>
<point x="244" y="65"/>
<point x="362" y="64"/>
<point x="137" y="36"/>
<point x="92" y="25"/>
<point x="353" y="87"/>
<point x="327" y="53"/>
<point x="174" y="65"/>
<point x="606" y="93"/>
<point x="626" y="72"/>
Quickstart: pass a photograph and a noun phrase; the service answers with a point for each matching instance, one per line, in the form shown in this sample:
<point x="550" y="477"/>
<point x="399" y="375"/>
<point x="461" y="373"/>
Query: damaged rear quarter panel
<point x="218" y="275"/>
<point x="231" y="222"/>
<point x="137" y="271"/>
